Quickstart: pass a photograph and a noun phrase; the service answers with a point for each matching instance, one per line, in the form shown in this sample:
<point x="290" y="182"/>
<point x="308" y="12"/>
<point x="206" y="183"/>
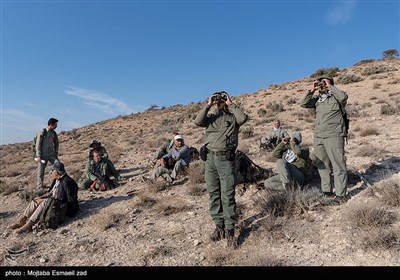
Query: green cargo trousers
<point x="288" y="174"/>
<point x="220" y="179"/>
<point x="330" y="151"/>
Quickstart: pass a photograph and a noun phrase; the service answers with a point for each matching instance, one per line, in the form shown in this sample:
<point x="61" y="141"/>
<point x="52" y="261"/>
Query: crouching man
<point x="62" y="199"/>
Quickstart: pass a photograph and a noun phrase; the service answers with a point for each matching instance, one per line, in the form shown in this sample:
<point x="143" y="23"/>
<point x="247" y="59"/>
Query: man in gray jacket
<point x="329" y="136"/>
<point x="221" y="141"/>
<point x="46" y="149"/>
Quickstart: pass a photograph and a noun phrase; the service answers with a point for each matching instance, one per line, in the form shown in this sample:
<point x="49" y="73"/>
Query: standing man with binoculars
<point x="218" y="152"/>
<point x="329" y="136"/>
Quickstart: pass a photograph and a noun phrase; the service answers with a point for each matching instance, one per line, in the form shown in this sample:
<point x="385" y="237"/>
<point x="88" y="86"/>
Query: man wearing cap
<point x="292" y="156"/>
<point x="98" y="172"/>
<point x="221" y="141"/>
<point x="63" y="188"/>
<point x="46" y="149"/>
<point x="164" y="150"/>
<point x="278" y="132"/>
<point x="96" y="145"/>
<point x="174" y="162"/>
<point x="329" y="135"/>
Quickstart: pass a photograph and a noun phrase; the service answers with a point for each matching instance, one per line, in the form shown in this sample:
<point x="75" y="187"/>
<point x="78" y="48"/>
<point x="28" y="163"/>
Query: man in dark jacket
<point x="329" y="135"/>
<point x="221" y="141"/>
<point x="64" y="189"/>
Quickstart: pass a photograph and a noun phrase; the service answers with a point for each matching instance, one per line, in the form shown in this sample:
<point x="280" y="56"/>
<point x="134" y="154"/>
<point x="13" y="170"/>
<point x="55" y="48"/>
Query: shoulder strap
<point x="343" y="112"/>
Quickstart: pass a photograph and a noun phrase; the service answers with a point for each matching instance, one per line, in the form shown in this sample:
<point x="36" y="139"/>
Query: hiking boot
<point x="231" y="241"/>
<point x="27" y="227"/>
<point x="338" y="200"/>
<point x="329" y="195"/>
<point x="218" y="234"/>
<point x="168" y="178"/>
<point x="18" y="223"/>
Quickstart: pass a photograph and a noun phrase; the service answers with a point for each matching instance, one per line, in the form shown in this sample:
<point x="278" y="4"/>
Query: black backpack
<point x="247" y="171"/>
<point x="53" y="215"/>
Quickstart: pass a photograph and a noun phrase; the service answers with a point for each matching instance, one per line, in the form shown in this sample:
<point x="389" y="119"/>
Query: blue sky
<point x="87" y="61"/>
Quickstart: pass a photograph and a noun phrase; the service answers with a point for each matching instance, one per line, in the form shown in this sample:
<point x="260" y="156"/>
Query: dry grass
<point x="390" y="192"/>
<point x="105" y="220"/>
<point x="371" y="215"/>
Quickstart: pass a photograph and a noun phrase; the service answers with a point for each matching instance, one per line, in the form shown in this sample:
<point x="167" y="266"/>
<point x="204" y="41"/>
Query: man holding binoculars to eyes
<point x="329" y="136"/>
<point x="218" y="152"/>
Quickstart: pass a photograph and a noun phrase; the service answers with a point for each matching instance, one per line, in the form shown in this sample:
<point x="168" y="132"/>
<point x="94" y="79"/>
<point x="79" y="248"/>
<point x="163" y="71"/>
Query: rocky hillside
<point x="168" y="225"/>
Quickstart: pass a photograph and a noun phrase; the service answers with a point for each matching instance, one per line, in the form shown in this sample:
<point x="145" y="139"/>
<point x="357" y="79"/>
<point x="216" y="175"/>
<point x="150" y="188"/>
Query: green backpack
<point x="43" y="134"/>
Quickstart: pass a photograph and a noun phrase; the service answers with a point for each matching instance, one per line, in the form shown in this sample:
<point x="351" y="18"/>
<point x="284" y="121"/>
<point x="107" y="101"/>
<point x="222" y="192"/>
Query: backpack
<point x="309" y="170"/>
<point x="247" y="171"/>
<point x="43" y="134"/>
<point x="53" y="215"/>
<point x="194" y="154"/>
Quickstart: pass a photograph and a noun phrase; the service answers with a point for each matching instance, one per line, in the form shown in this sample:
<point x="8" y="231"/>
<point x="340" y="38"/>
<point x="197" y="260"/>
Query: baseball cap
<point x="177" y="137"/>
<point x="57" y="166"/>
<point x="327" y="77"/>
<point x="297" y="135"/>
<point x="94" y="142"/>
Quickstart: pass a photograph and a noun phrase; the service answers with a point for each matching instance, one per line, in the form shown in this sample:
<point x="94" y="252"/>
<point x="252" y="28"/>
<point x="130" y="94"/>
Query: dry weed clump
<point x="170" y="207"/>
<point x="288" y="203"/>
<point x="381" y="238"/>
<point x="145" y="201"/>
<point x="390" y="192"/>
<point x="369" y="131"/>
<point x="371" y="215"/>
<point x="105" y="220"/>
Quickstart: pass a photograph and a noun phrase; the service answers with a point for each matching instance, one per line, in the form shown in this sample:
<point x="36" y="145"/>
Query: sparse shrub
<point x="287" y="203"/>
<point x="292" y="100"/>
<point x="165" y="208"/>
<point x="386" y="109"/>
<point x="196" y="173"/>
<point x="106" y="220"/>
<point x="275" y="107"/>
<point x="369" y="131"/>
<point x="376" y="85"/>
<point x="381" y="239"/>
<point x="261" y="112"/>
<point x="145" y="201"/>
<point x="365" y="61"/>
<point x="370" y="215"/>
<point x="369" y="150"/>
<point x="373" y="70"/>
<point x="325" y="72"/>
<point x="248" y="132"/>
<point x="348" y="78"/>
<point x="390" y="193"/>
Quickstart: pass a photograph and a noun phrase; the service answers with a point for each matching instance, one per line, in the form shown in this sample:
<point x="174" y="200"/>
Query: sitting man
<point x="164" y="150"/>
<point x="291" y="164"/>
<point x="174" y="162"/>
<point x="278" y="132"/>
<point x="98" y="173"/>
<point x="63" y="189"/>
<point x="96" y="145"/>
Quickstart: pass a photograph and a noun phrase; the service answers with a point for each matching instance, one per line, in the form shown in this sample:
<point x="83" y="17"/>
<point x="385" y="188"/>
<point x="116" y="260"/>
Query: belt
<point x="219" y="153"/>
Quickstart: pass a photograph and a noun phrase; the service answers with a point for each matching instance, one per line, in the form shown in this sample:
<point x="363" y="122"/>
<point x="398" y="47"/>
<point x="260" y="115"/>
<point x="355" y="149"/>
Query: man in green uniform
<point x="292" y="156"/>
<point x="329" y="136"/>
<point x="221" y="141"/>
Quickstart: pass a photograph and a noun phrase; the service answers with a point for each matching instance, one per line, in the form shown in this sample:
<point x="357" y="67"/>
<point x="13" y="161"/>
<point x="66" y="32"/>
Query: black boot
<point x="218" y="234"/>
<point x="231" y="241"/>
